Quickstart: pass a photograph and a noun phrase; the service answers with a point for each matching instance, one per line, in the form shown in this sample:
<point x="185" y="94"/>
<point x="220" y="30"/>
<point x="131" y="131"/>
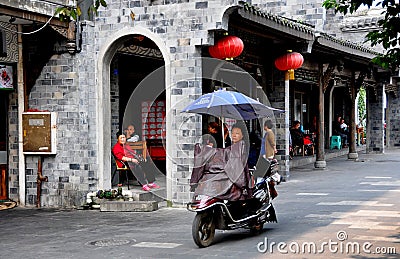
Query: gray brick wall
<point x="393" y="120"/>
<point x="66" y="86"/>
<point x="310" y="12"/>
<point x="13" y="146"/>
<point x="375" y="114"/>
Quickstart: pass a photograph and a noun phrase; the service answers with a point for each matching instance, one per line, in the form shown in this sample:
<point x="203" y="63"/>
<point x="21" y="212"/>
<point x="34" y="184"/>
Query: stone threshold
<point x="128" y="206"/>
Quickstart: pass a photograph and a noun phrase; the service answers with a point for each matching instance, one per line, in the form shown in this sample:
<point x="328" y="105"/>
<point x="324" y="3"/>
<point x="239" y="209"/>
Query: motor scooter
<point x="214" y="213"/>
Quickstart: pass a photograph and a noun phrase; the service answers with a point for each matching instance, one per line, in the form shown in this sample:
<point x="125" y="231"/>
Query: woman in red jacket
<point x="125" y="155"/>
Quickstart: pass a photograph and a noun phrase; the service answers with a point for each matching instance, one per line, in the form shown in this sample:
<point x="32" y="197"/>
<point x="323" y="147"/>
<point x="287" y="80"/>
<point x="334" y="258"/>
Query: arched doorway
<point x="125" y="59"/>
<point x="138" y="100"/>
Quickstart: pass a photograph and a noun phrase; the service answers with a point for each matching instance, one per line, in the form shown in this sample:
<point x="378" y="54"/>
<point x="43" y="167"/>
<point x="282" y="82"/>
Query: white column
<point x="21" y="109"/>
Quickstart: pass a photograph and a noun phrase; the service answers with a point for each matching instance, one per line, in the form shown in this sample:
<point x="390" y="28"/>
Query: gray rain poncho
<point x="221" y="172"/>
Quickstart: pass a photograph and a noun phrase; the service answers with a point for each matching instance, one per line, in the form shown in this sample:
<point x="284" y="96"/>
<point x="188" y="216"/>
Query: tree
<point x="68" y="13"/>
<point x="362" y="109"/>
<point x="389" y="33"/>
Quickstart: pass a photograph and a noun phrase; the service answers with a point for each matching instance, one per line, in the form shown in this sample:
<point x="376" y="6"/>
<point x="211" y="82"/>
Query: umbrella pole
<point x="223" y="132"/>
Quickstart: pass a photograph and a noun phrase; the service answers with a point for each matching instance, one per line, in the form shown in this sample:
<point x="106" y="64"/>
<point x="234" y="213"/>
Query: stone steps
<point x="158" y="195"/>
<point x="142" y="200"/>
<point x="128" y="206"/>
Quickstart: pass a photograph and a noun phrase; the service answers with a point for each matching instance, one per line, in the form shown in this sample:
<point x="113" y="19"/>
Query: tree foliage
<point x="68" y="13"/>
<point x="389" y="33"/>
<point x="362" y="109"/>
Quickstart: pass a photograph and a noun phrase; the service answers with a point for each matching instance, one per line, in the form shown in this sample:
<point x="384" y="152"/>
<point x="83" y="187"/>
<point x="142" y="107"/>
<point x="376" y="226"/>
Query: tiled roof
<point x="364" y="23"/>
<point x="306" y="28"/>
<point x="278" y="19"/>
<point x="349" y="44"/>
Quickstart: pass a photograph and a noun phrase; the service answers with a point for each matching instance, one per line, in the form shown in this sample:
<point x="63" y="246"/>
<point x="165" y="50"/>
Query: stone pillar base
<point x="284" y="176"/>
<point x="320" y="164"/>
<point x="352" y="156"/>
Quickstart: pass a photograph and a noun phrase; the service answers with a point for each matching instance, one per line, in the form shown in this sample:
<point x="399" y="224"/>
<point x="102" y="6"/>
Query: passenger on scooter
<point x="238" y="160"/>
<point x="222" y="173"/>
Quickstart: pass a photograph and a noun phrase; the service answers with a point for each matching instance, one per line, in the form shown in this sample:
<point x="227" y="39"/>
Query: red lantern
<point x="291" y="60"/>
<point x="227" y="48"/>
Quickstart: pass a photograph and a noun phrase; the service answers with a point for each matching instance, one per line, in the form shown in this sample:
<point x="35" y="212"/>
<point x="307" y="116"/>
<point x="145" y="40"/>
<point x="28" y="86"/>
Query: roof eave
<point x="351" y="49"/>
<point x="301" y="33"/>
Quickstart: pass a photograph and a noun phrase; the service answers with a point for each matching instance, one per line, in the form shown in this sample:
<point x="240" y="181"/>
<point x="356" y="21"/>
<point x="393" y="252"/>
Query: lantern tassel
<point x="287" y="75"/>
<point x="291" y="74"/>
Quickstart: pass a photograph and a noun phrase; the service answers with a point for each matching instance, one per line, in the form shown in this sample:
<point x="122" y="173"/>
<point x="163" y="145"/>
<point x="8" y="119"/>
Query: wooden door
<point x="3" y="182"/>
<point x="3" y="145"/>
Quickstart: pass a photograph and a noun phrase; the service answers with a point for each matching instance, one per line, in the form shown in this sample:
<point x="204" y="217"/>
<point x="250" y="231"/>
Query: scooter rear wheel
<point x="203" y="229"/>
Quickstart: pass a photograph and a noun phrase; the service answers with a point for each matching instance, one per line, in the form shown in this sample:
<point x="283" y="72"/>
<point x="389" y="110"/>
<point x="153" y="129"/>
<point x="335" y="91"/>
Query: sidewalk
<point x="335" y="160"/>
<point x="329" y="154"/>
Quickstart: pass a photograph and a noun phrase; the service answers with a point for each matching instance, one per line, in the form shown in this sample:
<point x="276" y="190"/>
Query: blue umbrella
<point x="230" y="104"/>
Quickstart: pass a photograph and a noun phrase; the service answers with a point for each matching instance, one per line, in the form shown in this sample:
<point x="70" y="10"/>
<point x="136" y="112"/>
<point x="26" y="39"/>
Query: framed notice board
<point x="39" y="132"/>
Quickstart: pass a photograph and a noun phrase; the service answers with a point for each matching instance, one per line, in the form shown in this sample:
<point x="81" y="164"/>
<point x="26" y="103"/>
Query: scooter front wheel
<point x="203" y="229"/>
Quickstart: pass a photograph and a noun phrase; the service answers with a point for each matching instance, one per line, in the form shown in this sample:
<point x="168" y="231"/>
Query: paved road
<point x="348" y="206"/>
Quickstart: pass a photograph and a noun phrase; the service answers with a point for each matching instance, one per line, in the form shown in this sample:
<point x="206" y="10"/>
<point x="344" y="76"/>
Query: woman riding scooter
<point x="223" y="197"/>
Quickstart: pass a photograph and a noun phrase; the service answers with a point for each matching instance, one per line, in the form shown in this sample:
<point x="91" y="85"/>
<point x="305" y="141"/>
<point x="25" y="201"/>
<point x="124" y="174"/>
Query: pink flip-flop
<point x="153" y="185"/>
<point x="146" y="187"/>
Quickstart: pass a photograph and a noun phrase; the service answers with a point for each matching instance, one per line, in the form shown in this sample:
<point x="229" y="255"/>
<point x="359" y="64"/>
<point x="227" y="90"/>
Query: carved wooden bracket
<point x="68" y="33"/>
<point x="356" y="83"/>
<point x="61" y="30"/>
<point x="360" y="80"/>
<point x="327" y="76"/>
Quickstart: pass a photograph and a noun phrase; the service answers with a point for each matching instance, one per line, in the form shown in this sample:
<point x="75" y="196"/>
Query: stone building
<point x="101" y="73"/>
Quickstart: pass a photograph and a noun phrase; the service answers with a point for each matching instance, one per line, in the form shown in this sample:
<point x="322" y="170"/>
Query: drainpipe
<point x="21" y="108"/>
<point x="39" y="180"/>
